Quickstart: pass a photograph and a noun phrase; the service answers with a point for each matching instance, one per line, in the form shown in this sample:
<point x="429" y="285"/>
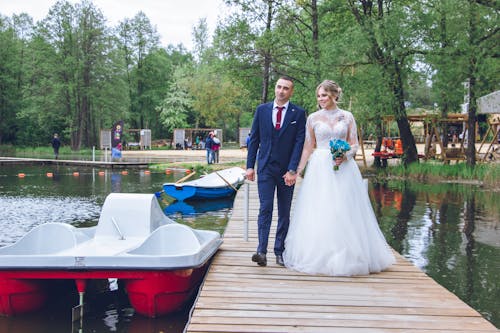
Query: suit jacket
<point x="290" y="139"/>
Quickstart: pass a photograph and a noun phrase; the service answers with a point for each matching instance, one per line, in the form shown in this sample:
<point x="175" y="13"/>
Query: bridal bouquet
<point x="338" y="148"/>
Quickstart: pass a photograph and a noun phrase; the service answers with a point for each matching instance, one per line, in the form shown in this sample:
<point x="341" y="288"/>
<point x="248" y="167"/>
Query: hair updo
<point x="332" y="88"/>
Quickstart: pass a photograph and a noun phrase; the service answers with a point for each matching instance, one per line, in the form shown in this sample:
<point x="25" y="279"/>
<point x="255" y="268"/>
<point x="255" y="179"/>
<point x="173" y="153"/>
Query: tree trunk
<point x="377" y="162"/>
<point x="265" y="78"/>
<point x="315" y="40"/>
<point x="470" y="152"/>
<point x="267" y="55"/>
<point x="410" y="153"/>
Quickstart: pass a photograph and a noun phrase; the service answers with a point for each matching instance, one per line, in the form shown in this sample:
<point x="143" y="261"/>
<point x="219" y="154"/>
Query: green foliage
<point x="72" y="74"/>
<point x="10" y="69"/>
<point x="487" y="174"/>
<point x="200" y="168"/>
<point x="175" y="107"/>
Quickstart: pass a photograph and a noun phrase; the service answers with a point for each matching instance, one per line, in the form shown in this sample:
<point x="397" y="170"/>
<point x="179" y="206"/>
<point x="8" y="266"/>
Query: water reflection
<point x="75" y="196"/>
<point x="452" y="232"/>
<point x="25" y="213"/>
<point x="199" y="206"/>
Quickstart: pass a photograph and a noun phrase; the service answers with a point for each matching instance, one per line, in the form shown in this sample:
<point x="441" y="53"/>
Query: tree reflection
<point x="450" y="231"/>
<point x="400" y="229"/>
<point x="402" y="201"/>
<point x="468" y="230"/>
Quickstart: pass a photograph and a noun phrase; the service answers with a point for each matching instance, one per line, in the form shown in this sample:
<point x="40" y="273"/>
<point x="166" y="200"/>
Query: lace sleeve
<point x="309" y="144"/>
<point x="352" y="137"/>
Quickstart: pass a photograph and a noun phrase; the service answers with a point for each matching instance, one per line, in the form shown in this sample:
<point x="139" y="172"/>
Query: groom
<point x="278" y="132"/>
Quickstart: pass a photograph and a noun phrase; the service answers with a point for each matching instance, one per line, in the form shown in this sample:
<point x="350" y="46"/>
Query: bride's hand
<point x="300" y="172"/>
<point x="339" y="160"/>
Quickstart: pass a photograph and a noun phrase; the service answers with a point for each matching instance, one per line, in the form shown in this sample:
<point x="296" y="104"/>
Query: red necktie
<point x="278" y="117"/>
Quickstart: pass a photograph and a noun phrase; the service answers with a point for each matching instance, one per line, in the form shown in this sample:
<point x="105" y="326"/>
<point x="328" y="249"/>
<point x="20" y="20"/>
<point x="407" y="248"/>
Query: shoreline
<point x="225" y="156"/>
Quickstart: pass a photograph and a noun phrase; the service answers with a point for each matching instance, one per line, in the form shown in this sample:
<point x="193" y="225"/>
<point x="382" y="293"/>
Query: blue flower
<point x="338" y="148"/>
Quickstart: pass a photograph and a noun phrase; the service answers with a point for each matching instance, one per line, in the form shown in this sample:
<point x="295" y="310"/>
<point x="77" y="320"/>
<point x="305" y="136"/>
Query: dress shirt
<point x="275" y="112"/>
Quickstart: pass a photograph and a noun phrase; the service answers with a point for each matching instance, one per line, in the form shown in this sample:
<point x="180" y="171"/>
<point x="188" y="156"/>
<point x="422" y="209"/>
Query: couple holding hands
<point x="333" y="229"/>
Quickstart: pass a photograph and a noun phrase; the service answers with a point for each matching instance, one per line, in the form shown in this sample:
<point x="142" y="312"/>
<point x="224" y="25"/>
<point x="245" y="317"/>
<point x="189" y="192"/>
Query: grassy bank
<point x="485" y="174"/>
<point x="43" y="151"/>
<point x="199" y="167"/>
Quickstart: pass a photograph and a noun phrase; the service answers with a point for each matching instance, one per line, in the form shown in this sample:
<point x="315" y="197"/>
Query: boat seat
<point x="126" y="215"/>
<point x="174" y="239"/>
<point x="46" y="238"/>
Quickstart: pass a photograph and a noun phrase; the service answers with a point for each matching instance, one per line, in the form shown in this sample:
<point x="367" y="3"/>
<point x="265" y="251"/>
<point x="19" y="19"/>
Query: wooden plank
<point x="239" y="296"/>
<point x="249" y="304"/>
<point x="332" y="300"/>
<point x="263" y="318"/>
<point x="220" y="328"/>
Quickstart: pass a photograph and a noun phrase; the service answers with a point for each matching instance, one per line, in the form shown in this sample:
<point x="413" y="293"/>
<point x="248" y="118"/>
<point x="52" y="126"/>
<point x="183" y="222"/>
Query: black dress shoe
<point x="279" y="260"/>
<point x="260" y="258"/>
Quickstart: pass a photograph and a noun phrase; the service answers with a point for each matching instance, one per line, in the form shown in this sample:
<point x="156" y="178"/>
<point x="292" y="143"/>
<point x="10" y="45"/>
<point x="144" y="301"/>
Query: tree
<point x="137" y="39"/>
<point x="462" y="54"/>
<point x="70" y="44"/>
<point x="200" y="38"/>
<point x="387" y="49"/>
<point x="215" y="97"/>
<point x="91" y="46"/>
<point x="174" y="108"/>
<point x="483" y="33"/>
<point x="256" y="20"/>
<point x="10" y="70"/>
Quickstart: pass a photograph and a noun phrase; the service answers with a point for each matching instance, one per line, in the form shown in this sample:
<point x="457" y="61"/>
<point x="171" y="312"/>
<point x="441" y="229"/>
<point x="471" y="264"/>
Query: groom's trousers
<point x="269" y="181"/>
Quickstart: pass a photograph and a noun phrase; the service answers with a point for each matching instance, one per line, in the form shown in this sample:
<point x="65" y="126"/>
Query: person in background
<point x="56" y="143"/>
<point x="275" y="145"/>
<point x="248" y="139"/>
<point x="116" y="152"/>
<point x="215" y="148"/>
<point x="197" y="142"/>
<point x="208" y="147"/>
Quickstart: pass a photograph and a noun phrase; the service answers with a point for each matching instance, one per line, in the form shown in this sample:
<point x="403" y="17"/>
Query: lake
<point x="450" y="231"/>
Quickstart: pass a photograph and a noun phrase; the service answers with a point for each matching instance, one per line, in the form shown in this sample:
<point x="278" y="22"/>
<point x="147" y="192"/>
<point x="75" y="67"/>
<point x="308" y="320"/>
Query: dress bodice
<point x="325" y="125"/>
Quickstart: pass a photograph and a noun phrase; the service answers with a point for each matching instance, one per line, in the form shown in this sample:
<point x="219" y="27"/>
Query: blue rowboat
<point x="215" y="185"/>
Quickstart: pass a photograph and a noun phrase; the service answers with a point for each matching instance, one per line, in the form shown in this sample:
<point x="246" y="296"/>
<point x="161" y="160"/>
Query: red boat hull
<point x="151" y="293"/>
<point x="164" y="292"/>
<point x="21" y="296"/>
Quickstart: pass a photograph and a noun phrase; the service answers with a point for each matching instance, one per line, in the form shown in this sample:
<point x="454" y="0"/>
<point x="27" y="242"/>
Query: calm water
<point x="77" y="200"/>
<point x="452" y="232"/>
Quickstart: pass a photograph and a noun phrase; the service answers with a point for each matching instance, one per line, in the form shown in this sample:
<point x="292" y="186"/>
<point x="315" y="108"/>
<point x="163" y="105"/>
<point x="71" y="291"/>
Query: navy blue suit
<point x="275" y="152"/>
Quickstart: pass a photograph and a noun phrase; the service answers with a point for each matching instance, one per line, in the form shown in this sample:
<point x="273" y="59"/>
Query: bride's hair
<point x="332" y="88"/>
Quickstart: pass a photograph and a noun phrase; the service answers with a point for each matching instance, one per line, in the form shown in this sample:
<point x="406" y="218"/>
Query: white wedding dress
<point x="333" y="229"/>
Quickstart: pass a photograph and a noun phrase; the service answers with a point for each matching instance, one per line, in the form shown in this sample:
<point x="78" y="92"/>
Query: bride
<point x="333" y="230"/>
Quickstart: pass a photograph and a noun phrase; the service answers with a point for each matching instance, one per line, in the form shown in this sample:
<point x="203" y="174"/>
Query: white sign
<point x="489" y="103"/>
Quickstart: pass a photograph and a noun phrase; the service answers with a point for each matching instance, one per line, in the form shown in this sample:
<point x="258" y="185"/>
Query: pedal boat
<point x="160" y="262"/>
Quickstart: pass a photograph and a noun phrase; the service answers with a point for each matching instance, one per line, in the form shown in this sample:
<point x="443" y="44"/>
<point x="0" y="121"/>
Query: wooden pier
<point x="239" y="296"/>
<point x="84" y="163"/>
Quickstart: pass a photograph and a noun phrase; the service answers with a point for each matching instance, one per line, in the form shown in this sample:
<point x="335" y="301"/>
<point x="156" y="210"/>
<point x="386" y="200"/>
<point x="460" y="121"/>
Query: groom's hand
<point x="250" y="174"/>
<point x="290" y="178"/>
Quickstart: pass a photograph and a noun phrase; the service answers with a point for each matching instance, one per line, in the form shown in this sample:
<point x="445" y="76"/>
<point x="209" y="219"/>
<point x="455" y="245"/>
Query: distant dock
<point x="239" y="296"/>
<point x="95" y="164"/>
